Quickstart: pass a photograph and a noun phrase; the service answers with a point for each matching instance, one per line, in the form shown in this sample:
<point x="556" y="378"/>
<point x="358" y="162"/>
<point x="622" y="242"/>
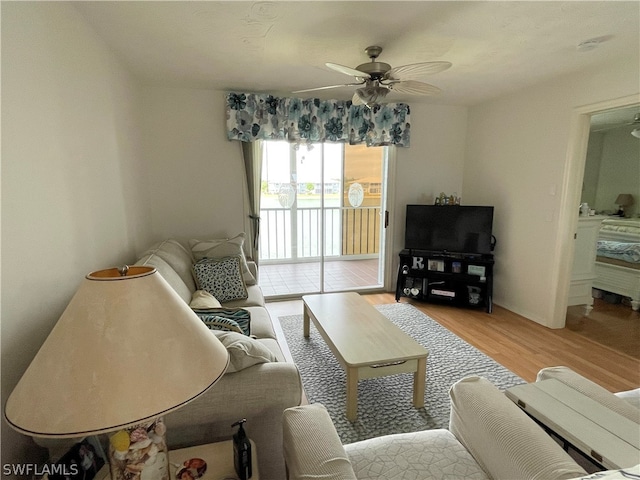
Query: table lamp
<point x="623" y="200"/>
<point x="126" y="351"/>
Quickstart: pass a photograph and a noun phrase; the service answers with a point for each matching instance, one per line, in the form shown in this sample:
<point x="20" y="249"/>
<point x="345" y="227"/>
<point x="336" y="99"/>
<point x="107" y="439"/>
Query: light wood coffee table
<point x="365" y="343"/>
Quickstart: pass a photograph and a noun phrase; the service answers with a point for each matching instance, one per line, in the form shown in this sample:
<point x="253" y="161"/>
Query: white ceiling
<point x="278" y="47"/>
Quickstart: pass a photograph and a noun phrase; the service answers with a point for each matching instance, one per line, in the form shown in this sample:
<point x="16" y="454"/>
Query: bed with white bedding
<point x="618" y="258"/>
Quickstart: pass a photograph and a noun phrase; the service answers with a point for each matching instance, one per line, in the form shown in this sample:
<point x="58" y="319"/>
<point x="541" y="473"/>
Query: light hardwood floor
<point x="524" y="347"/>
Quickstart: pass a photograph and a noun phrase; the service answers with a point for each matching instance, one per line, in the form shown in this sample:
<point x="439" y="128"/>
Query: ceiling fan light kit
<point x="369" y="95"/>
<point x="379" y="78"/>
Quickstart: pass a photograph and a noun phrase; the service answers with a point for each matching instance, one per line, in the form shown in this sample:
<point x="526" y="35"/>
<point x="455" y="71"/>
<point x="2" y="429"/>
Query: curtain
<point x="252" y="116"/>
<point x="252" y="156"/>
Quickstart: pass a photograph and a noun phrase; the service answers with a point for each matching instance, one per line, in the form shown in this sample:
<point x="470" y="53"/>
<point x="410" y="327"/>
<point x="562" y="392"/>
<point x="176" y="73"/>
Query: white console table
<point x="604" y="436"/>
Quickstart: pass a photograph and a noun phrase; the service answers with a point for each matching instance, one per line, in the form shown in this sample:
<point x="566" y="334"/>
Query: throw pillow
<point x="224" y="247"/>
<point x="239" y="317"/>
<point x="213" y="322"/>
<point x="244" y="351"/>
<point x="222" y="278"/>
<point x="202" y="299"/>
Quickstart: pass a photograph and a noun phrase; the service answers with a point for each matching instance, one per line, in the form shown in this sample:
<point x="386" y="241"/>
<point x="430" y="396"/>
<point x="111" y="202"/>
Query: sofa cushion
<point x="255" y="298"/>
<point x="244" y="351"/>
<point x="168" y="273"/>
<point x="261" y="324"/>
<point x="178" y="257"/>
<point x="202" y="299"/>
<point x="224" y="247"/>
<point x="273" y="346"/>
<point x="222" y="278"/>
<point x="428" y="454"/>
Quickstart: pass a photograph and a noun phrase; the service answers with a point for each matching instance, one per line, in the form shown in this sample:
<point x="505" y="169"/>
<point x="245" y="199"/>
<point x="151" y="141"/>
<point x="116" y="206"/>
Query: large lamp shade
<point x="127" y="349"/>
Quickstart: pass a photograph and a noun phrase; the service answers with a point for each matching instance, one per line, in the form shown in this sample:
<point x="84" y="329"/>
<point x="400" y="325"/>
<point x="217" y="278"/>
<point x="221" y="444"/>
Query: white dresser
<point x="584" y="262"/>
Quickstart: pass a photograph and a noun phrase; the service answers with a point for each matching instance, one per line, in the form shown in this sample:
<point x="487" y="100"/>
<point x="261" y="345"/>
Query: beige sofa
<point x="259" y="393"/>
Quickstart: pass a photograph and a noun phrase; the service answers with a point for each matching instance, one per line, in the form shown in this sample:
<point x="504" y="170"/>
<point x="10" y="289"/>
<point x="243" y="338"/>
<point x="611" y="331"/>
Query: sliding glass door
<point x="322" y="218"/>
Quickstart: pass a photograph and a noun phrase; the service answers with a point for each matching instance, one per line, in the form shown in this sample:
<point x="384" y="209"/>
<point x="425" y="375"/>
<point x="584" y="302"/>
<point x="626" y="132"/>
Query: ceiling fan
<point x="377" y="79"/>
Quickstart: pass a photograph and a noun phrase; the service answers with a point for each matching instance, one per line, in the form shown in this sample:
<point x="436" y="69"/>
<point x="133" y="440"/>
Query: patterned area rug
<point x="385" y="404"/>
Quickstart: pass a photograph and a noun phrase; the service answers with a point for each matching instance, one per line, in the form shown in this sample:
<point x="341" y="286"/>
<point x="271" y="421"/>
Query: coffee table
<point x="365" y="343"/>
<point x="605" y="437"/>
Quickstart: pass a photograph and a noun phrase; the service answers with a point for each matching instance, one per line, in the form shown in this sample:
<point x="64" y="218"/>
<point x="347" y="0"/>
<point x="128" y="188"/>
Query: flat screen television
<point x="455" y="229"/>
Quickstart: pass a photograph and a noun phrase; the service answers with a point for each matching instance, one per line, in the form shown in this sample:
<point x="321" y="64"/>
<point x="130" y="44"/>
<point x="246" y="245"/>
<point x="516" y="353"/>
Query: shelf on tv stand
<point x="460" y="279"/>
<point x="446" y="254"/>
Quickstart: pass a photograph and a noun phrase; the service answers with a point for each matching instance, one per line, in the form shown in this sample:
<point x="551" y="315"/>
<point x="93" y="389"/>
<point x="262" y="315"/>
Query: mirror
<point x="612" y="165"/>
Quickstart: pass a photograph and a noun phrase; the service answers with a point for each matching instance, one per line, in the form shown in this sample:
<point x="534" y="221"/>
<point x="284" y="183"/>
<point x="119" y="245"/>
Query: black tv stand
<point x="461" y="279"/>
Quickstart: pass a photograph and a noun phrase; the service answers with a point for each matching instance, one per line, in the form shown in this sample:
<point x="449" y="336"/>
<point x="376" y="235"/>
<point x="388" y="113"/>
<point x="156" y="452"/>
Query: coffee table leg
<point x="419" y="383"/>
<point x="305" y="322"/>
<point x="352" y="394"/>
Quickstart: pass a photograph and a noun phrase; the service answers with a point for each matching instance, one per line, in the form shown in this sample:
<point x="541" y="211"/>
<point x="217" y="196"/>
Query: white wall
<point x="72" y="190"/>
<point x="197" y="174"/>
<point x="433" y="164"/>
<point x="517" y="160"/>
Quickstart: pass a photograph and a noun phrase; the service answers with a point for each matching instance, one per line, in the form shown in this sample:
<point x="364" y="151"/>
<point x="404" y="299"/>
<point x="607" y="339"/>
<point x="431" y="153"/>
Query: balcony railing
<point x="294" y="234"/>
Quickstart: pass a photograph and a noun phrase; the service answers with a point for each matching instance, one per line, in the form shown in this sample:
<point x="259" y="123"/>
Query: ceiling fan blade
<point x="416" y="70"/>
<point x="328" y="87"/>
<point x="356" y="100"/>
<point x="413" y="87"/>
<point x="347" y="70"/>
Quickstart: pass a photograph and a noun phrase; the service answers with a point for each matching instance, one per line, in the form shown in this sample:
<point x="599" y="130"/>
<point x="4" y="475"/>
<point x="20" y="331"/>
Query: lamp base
<point x="140" y="452"/>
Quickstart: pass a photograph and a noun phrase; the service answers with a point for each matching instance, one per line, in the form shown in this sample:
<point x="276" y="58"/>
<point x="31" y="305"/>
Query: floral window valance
<point x="252" y="116"/>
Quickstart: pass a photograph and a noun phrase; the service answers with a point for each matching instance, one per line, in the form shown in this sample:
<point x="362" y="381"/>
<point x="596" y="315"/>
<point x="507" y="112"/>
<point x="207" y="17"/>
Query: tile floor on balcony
<point x="286" y="279"/>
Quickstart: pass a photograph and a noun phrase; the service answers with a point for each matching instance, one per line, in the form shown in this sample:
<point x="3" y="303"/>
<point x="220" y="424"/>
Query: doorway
<point x="573" y="187"/>
<point x="322" y="210"/>
<point x="611" y="167"/>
